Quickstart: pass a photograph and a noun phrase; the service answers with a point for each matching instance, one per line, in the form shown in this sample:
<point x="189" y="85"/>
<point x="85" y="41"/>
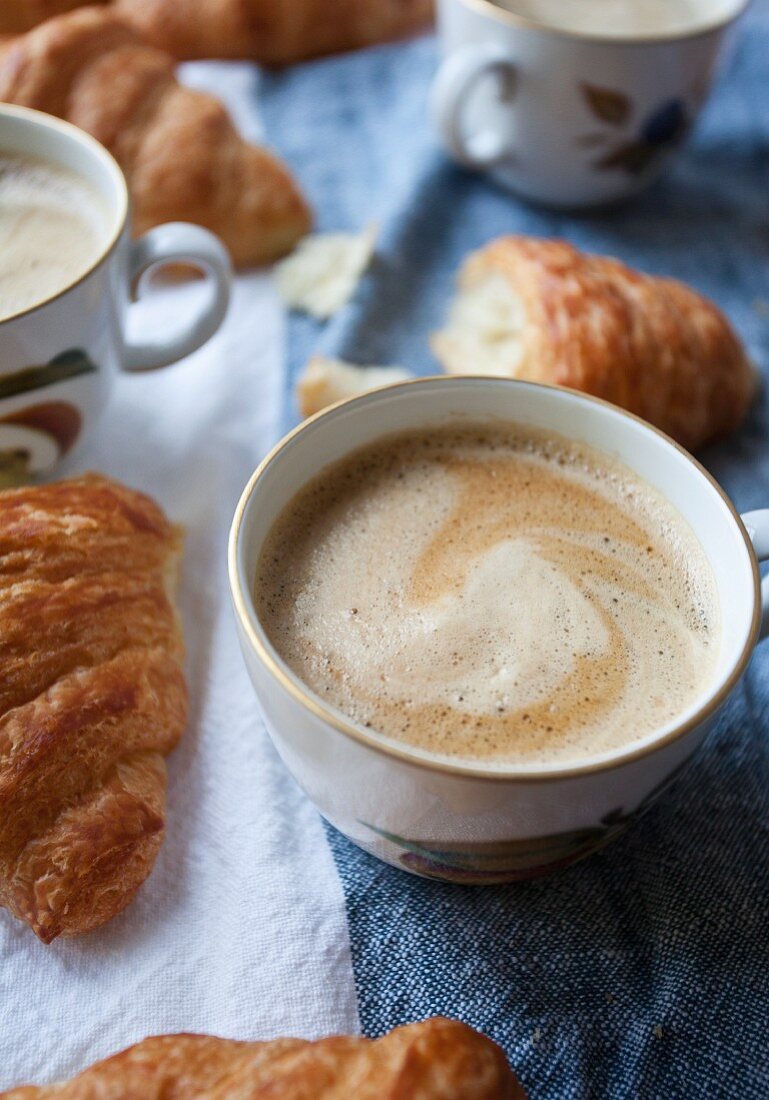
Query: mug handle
<point x="457" y="76"/>
<point x="179" y="242"/>
<point x="757" y="526"/>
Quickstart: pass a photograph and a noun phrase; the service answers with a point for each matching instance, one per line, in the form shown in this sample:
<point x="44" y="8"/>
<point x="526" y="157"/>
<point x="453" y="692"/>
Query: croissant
<point x="179" y="150"/>
<point x="275" y="32"/>
<point x="92" y="698"/>
<point x="543" y="311"/>
<point x="21" y="15"/>
<point x="434" y="1060"/>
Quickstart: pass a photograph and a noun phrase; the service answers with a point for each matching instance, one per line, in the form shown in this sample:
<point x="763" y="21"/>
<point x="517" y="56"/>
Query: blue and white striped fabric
<point x="641" y="972"/>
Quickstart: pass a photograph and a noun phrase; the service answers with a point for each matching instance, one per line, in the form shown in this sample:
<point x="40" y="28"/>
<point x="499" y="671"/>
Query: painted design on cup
<point x="503" y="861"/>
<point x="659" y="132"/>
<point x="34" y="438"/>
<point x="68" y="364"/>
<point x="487" y="863"/>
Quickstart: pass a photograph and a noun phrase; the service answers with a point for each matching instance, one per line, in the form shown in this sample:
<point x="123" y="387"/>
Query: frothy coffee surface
<point x="52" y="227"/>
<point x="491" y="594"/>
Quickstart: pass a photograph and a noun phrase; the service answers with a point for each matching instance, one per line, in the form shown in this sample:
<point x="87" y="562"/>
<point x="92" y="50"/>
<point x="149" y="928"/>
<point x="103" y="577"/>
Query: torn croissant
<point x="543" y="311"/>
<point x="434" y="1060"/>
<point x="92" y="698"/>
<point x="183" y="158"/>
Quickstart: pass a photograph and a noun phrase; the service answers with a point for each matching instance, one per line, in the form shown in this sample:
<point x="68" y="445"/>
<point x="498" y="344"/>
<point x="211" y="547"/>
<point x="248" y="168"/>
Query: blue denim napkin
<point x="643" y="971"/>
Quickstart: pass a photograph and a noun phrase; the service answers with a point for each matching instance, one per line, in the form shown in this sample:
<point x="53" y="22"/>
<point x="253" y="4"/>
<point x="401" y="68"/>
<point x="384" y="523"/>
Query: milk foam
<point x="491" y="595"/>
<point x="52" y="225"/>
<point x="623" y="18"/>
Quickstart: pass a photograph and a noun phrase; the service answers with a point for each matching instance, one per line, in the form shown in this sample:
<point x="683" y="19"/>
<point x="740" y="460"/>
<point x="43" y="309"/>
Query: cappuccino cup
<point x="472" y="818"/>
<point x="574" y="103"/>
<point x="67" y="272"/>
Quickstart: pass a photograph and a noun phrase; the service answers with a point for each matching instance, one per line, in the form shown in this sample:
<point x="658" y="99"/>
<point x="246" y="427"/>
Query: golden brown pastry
<point x="21" y="15"/>
<point x="92" y="698"/>
<point x="543" y="311"/>
<point x="275" y="32"/>
<point x="434" y="1060"/>
<point x="181" y="154"/>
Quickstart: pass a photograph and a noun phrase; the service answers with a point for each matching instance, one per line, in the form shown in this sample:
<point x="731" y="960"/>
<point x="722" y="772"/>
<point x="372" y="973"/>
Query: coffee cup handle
<point x="757" y="526"/>
<point x="178" y="242"/>
<point x="456" y="78"/>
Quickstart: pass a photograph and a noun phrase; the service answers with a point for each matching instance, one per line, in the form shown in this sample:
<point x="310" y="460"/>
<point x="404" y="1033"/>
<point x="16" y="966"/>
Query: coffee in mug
<point x="493" y="594"/>
<point x="53" y="223"/>
<point x="622" y="18"/>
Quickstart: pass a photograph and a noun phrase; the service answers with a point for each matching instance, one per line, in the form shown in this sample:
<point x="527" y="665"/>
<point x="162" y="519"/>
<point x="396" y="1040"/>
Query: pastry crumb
<point x="322" y="273"/>
<point x="326" y="381"/>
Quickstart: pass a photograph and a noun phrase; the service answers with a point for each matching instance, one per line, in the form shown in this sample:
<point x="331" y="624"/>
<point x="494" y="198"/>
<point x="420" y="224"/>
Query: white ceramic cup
<point x="564" y="118"/>
<point x="467" y="822"/>
<point x="58" y="358"/>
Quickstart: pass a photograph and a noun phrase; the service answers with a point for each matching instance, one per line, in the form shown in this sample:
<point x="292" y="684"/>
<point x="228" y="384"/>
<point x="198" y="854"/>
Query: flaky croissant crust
<point x="651" y="345"/>
<point x="21" y="15"/>
<point x="276" y="32"/>
<point x="92" y="698"/>
<point x="434" y="1060"/>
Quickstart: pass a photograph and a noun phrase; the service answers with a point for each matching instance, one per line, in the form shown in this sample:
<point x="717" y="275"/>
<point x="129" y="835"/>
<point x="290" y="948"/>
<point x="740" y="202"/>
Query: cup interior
<point x="672" y="471"/>
<point x="622" y="20"/>
<point x="33" y="133"/>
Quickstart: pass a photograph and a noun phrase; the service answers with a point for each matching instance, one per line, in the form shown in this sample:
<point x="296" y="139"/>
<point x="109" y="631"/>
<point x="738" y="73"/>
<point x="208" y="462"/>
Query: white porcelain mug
<point x="460" y="821"/>
<point x="569" y="119"/>
<point x="58" y="358"/>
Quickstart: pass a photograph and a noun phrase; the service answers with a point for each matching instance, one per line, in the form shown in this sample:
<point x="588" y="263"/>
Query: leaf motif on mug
<point x="666" y="125"/>
<point x="608" y="105"/>
<point x="634" y="157"/>
<point x="68" y="364"/>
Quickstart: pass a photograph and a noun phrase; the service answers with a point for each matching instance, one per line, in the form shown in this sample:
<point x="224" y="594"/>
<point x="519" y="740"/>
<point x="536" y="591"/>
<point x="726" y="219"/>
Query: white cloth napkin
<point x="240" y="930"/>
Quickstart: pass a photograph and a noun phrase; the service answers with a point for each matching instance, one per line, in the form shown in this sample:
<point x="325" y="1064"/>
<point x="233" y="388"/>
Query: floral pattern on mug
<point x="501" y="861"/>
<point x="65" y="365"/>
<point x="35" y="437"/>
<point x="659" y="132"/>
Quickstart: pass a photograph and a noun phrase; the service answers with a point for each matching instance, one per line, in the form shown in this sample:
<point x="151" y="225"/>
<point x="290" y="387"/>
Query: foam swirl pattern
<point x="490" y="594"/>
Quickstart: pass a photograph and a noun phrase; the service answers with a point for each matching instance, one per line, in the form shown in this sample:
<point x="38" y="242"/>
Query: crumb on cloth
<point x="323" y="272"/>
<point x="326" y="381"/>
